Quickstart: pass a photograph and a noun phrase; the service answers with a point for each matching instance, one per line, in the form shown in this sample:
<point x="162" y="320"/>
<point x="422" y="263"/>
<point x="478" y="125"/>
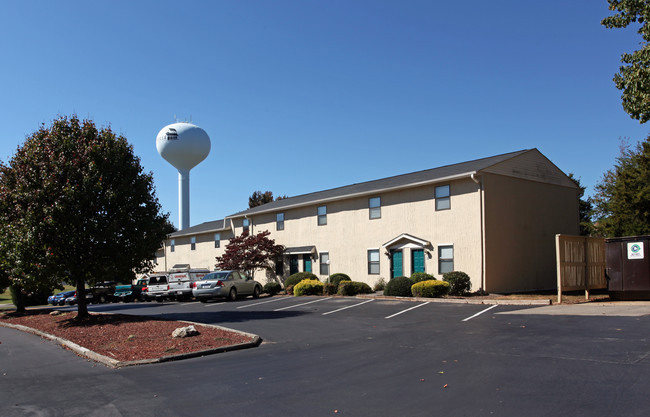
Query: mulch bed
<point x="124" y="337"/>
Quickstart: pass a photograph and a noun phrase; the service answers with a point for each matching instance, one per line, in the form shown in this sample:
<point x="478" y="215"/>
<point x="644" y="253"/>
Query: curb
<point x="542" y="302"/>
<point x="115" y="364"/>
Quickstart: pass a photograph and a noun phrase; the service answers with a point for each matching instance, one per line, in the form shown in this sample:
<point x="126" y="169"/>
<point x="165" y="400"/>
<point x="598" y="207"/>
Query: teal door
<point x="417" y="260"/>
<point x="396" y="264"/>
<point x="306" y="263"/>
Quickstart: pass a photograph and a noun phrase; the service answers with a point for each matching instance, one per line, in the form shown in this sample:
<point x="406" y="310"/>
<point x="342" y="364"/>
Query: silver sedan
<point x="230" y="284"/>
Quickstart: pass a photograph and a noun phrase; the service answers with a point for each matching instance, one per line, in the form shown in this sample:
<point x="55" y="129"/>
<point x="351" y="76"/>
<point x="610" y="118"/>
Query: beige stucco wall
<point x="202" y="257"/>
<point x="522" y="218"/>
<point x="349" y="232"/>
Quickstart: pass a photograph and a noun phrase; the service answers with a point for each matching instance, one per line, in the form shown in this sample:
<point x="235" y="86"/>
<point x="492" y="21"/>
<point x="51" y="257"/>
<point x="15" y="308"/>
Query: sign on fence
<point x="580" y="264"/>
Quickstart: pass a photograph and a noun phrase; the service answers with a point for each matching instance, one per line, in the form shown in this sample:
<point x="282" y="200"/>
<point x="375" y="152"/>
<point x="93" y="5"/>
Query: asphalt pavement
<point x="346" y="356"/>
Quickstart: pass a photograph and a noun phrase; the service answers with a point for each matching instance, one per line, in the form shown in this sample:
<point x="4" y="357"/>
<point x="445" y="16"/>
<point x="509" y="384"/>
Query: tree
<point x="77" y="207"/>
<point x="250" y="252"/>
<point x="634" y="76"/>
<point x="258" y="198"/>
<point x="622" y="199"/>
<point x="585" y="209"/>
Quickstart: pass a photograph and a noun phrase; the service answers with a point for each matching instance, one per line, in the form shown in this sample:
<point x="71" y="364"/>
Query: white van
<point x="180" y="279"/>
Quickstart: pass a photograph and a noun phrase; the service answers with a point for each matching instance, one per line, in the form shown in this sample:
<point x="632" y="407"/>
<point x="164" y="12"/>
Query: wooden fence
<point x="580" y="264"/>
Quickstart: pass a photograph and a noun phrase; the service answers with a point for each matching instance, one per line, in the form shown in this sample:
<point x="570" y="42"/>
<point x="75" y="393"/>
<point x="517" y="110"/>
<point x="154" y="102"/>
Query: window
<point x="217" y="240"/>
<point x="373" y="261"/>
<point x="324" y="263"/>
<point x="322" y="215"/>
<point x="445" y="259"/>
<point x="172" y="245"/>
<point x="246" y="225"/>
<point x="279" y="221"/>
<point x="193" y="243"/>
<point x="374" y="204"/>
<point x="443" y="201"/>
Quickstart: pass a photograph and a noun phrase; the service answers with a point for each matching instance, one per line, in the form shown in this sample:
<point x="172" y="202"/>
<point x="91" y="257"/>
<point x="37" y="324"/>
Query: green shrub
<point x="353" y="288"/>
<point x="329" y="288"/>
<point x="337" y="278"/>
<point x="308" y="287"/>
<point x="399" y="287"/>
<point x="272" y="288"/>
<point x="430" y="288"/>
<point x="297" y="277"/>
<point x="380" y="285"/>
<point x="460" y="283"/>
<point x="421" y="276"/>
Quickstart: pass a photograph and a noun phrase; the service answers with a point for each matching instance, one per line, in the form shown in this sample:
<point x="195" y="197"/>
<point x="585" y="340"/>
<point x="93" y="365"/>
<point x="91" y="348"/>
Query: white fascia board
<point x="361" y="194"/>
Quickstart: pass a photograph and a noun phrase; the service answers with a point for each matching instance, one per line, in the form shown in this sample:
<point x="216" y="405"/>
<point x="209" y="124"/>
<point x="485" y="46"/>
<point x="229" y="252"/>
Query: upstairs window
<point x="246" y="225"/>
<point x="172" y="245"/>
<point x="217" y="240"/>
<point x="374" y="205"/>
<point x="443" y="199"/>
<point x="193" y="243"/>
<point x="279" y="221"/>
<point x="322" y="215"/>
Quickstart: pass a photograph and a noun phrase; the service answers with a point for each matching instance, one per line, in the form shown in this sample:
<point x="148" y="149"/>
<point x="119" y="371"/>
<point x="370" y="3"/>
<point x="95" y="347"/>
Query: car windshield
<point x="216" y="275"/>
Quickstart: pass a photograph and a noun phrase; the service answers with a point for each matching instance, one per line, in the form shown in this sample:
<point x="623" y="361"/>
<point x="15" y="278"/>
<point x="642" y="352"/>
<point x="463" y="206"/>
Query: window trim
<point x="193" y="243"/>
<point x="443" y="198"/>
<point x="441" y="259"/>
<point x="172" y="245"/>
<point x="374" y="208"/>
<point x="324" y="264"/>
<point x="217" y="240"/>
<point x="371" y="263"/>
<point x="279" y="223"/>
<point x="246" y="225"/>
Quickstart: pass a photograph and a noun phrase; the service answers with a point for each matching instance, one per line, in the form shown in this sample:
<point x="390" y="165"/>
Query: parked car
<point x="132" y="292"/>
<point x="230" y="284"/>
<point x="180" y="279"/>
<point x="157" y="287"/>
<point x="59" y="299"/>
<point x="72" y="300"/>
<point x="103" y="291"/>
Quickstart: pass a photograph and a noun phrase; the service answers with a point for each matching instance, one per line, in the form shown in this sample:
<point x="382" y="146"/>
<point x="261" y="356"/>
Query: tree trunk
<point x="82" y="307"/>
<point x="18" y="298"/>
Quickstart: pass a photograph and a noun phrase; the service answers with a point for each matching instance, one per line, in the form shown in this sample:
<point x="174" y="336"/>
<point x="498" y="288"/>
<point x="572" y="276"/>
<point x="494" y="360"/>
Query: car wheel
<point x="232" y="295"/>
<point x="204" y="300"/>
<point x="256" y="292"/>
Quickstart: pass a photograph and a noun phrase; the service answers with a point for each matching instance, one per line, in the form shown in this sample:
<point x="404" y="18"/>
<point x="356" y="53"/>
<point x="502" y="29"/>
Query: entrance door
<point x="293" y="264"/>
<point x="417" y="260"/>
<point x="396" y="264"/>
<point x="306" y="263"/>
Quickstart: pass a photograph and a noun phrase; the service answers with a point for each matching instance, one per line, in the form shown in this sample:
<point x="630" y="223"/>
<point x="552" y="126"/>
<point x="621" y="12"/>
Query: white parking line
<point x="263" y="302"/>
<point x="408" y="309"/>
<point x="218" y="303"/>
<point x="480" y="312"/>
<point x="303" y="304"/>
<point x="345" y="308"/>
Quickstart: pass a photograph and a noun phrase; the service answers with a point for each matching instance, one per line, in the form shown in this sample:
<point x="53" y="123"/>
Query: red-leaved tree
<point x="248" y="252"/>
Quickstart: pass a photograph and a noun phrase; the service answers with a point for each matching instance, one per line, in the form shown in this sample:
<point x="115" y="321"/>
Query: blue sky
<point x="300" y="96"/>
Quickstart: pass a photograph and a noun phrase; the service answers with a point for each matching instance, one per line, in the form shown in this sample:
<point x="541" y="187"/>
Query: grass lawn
<point x="5" y="297"/>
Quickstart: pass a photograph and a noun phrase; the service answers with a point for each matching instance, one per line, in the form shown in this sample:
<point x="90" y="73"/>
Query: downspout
<point x="480" y="193"/>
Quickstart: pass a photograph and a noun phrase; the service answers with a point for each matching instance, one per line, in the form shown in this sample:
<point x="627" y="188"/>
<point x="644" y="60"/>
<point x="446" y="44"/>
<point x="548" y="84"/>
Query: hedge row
<point x="421" y="284"/>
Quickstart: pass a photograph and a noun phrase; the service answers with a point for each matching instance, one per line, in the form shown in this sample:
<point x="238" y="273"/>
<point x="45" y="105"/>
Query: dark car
<point x="59" y="299"/>
<point x="103" y="291"/>
<point x="72" y="300"/>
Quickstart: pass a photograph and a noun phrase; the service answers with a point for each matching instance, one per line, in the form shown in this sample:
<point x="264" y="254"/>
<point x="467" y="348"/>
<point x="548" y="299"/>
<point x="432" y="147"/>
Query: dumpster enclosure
<point x="628" y="267"/>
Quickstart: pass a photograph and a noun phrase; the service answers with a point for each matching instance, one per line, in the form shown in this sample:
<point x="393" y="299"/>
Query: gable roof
<point x="414" y="179"/>
<point x="212" y="226"/>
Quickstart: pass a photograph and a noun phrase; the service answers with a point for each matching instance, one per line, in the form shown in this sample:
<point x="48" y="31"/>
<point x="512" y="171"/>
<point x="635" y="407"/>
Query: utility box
<point x="628" y="267"/>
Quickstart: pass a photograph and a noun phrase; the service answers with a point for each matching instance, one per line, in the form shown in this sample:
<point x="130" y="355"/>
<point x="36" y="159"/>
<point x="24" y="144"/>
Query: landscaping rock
<point x="185" y="332"/>
<point x="56" y="313"/>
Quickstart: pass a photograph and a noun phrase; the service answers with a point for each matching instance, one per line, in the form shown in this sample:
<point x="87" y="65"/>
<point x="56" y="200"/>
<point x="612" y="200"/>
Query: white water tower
<point x="183" y="145"/>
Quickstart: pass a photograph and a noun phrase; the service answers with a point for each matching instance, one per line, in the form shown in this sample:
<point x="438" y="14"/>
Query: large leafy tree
<point x="622" y="198"/>
<point x="634" y="76"/>
<point x="77" y="207"/>
<point x="585" y="208"/>
<point x="248" y="252"/>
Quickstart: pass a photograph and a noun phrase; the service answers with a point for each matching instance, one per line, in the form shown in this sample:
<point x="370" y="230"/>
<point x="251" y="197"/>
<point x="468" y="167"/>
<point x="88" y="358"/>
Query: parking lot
<point x="349" y="356"/>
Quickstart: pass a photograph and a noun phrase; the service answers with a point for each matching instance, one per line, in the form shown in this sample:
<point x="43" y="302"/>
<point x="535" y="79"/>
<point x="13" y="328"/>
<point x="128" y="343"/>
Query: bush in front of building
<point x="379" y="285"/>
<point x="431" y="288"/>
<point x="459" y="282"/>
<point x="337" y="278"/>
<point x="350" y="288"/>
<point x="308" y="287"/>
<point x="399" y="287"/>
<point x="272" y="288"/>
<point x="329" y="288"/>
<point x="297" y="277"/>
<point x="421" y="276"/>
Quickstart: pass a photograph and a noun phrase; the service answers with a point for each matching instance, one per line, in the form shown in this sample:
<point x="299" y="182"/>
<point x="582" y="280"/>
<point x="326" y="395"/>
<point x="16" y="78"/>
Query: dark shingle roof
<point x="215" y="225"/>
<point x="396" y="182"/>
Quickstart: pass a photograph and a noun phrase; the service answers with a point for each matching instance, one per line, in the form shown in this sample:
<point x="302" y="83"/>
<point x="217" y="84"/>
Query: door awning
<point x="300" y="250"/>
<point x="405" y="239"/>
